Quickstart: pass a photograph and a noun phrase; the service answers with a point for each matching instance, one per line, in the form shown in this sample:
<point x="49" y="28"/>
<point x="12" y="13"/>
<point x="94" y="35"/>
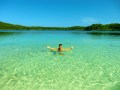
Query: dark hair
<point x="60" y="44"/>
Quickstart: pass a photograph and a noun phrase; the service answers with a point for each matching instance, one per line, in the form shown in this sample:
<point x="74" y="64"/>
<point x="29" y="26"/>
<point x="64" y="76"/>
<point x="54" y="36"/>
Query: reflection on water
<point x="9" y="33"/>
<point x="96" y="33"/>
<point x="104" y="33"/>
<point x="75" y="32"/>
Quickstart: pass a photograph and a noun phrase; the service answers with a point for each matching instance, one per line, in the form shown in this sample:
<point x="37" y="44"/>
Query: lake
<point x="27" y="64"/>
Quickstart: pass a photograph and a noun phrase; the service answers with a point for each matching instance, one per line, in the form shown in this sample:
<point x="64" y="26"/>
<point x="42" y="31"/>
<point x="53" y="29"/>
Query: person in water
<point x="60" y="48"/>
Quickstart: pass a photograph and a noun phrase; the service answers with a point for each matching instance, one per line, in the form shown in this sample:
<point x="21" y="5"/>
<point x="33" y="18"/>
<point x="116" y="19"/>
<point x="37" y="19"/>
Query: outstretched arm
<point x="51" y="48"/>
<point x="67" y="49"/>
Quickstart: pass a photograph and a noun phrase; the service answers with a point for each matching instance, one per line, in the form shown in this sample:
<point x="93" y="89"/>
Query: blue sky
<point x="59" y="12"/>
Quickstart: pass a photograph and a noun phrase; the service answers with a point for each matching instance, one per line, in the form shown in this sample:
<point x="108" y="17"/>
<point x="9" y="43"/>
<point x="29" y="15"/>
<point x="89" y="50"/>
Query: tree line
<point x="112" y="26"/>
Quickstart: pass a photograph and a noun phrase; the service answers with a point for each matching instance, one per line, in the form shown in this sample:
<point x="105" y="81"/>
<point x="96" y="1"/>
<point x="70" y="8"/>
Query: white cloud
<point x="89" y="20"/>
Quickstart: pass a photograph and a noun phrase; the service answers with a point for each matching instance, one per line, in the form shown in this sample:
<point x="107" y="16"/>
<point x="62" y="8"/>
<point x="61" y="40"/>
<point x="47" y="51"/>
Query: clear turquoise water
<point x="26" y="63"/>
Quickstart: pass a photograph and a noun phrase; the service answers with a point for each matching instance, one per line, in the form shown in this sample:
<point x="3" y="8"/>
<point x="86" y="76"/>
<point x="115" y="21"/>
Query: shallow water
<point x="26" y="63"/>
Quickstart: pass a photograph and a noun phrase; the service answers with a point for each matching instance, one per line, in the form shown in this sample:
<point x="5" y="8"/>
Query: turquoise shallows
<point x="27" y="64"/>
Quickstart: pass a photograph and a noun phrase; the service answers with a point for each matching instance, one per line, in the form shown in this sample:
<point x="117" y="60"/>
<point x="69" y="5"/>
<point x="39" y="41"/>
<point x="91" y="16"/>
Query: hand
<point x="48" y="46"/>
<point x="72" y="47"/>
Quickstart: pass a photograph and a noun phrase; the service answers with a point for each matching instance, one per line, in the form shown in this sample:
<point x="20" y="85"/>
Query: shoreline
<point x="98" y="27"/>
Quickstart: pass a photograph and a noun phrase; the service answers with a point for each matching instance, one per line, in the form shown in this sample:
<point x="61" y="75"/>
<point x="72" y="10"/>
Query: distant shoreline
<point x="102" y="27"/>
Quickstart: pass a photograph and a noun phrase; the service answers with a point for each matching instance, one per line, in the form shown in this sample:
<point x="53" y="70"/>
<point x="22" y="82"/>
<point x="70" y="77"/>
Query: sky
<point x="62" y="13"/>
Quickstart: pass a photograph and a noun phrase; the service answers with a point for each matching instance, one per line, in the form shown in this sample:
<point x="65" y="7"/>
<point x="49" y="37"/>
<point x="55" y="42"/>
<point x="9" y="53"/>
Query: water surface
<point x="26" y="63"/>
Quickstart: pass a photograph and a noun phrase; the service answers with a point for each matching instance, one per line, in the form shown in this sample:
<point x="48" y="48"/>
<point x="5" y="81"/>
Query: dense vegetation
<point x="114" y="26"/>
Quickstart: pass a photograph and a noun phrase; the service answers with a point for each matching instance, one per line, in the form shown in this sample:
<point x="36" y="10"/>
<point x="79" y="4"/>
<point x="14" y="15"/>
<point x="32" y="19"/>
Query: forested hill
<point x="8" y="26"/>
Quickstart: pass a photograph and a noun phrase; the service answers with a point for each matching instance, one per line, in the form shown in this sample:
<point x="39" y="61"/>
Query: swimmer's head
<point x="60" y="45"/>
